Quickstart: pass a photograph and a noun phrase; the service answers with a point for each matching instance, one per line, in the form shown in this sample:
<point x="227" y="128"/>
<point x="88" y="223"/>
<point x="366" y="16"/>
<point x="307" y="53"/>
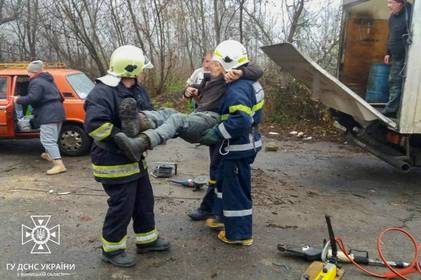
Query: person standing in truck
<point x="399" y="37"/>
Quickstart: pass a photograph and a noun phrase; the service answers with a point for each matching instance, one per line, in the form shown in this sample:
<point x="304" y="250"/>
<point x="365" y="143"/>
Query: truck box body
<point x="364" y="43"/>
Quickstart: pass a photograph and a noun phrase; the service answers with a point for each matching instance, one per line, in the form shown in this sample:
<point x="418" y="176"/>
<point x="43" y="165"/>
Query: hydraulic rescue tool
<point x="314" y="253"/>
<point x="325" y="270"/>
<point x="329" y="269"/>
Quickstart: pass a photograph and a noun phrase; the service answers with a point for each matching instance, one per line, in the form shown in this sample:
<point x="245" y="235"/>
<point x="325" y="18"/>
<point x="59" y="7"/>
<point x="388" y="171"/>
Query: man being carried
<point x="158" y="126"/>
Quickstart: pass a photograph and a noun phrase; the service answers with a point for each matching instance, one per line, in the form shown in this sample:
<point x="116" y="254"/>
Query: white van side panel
<point x="410" y="118"/>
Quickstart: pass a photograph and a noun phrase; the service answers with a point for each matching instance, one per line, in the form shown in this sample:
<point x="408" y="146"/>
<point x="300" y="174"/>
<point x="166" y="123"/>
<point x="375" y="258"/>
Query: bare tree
<point x="81" y="18"/>
<point x="9" y="11"/>
<point x="241" y="19"/>
<point x="173" y="34"/>
<point x="216" y="20"/>
<point x="297" y="8"/>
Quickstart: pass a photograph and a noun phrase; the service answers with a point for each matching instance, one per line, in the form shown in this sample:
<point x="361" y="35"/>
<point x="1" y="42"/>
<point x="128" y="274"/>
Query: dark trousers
<point x="215" y="159"/>
<point x="234" y="202"/>
<point x="395" y="86"/>
<point x="133" y="200"/>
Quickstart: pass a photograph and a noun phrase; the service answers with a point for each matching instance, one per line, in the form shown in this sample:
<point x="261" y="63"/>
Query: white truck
<point x="363" y="43"/>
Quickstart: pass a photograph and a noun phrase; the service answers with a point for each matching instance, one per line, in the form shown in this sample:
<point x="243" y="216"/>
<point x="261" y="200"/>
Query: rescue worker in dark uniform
<point x="241" y="112"/>
<point x="249" y="72"/>
<point x="125" y="181"/>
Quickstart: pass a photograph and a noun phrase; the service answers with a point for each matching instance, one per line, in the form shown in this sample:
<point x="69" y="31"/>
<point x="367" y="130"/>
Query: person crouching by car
<point x="48" y="111"/>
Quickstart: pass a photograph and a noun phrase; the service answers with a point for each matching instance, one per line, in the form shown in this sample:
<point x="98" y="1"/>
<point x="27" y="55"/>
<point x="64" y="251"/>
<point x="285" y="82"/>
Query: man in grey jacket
<point x="48" y="111"/>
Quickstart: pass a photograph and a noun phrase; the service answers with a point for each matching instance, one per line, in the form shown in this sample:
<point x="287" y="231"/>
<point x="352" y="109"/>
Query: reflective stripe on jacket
<point x="241" y="112"/>
<point x="102" y="122"/>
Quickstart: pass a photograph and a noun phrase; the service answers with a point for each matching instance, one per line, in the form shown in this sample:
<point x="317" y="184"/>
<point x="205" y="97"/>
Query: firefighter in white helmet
<point x="241" y="113"/>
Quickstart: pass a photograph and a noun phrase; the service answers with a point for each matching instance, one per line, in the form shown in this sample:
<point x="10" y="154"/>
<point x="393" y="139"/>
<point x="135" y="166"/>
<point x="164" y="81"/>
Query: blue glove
<point x="210" y="137"/>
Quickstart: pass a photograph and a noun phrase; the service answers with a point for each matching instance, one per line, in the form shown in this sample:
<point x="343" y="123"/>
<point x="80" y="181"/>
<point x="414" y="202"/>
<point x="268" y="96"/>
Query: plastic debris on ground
<point x="271" y="147"/>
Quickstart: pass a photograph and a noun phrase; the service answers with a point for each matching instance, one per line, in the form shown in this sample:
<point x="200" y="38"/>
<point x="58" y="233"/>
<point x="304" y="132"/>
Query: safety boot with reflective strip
<point x="114" y="253"/>
<point x="150" y="241"/>
<point x="223" y="238"/>
<point x="157" y="246"/>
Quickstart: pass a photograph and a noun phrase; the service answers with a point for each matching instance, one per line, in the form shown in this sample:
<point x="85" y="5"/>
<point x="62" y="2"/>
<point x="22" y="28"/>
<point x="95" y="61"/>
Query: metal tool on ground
<point x="314" y="253"/>
<point x="364" y="259"/>
<point x="196" y="183"/>
<point x="164" y="169"/>
<point x="328" y="270"/>
<point x="397" y="269"/>
<point x="308" y="253"/>
<point x="393" y="273"/>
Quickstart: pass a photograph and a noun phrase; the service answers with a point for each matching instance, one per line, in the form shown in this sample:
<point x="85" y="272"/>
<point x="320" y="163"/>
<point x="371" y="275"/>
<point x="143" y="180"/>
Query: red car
<point x="74" y="87"/>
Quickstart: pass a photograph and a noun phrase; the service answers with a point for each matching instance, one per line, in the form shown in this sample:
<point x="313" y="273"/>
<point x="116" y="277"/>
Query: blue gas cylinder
<point x="378" y="84"/>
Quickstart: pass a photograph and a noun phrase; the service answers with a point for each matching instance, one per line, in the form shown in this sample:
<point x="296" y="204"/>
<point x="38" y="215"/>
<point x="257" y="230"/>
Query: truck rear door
<point x="6" y="106"/>
<point x="323" y="86"/>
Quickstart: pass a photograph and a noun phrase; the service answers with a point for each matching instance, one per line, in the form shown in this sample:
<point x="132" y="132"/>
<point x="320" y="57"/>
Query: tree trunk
<point x="241" y="20"/>
<point x="216" y="23"/>
<point x="295" y="18"/>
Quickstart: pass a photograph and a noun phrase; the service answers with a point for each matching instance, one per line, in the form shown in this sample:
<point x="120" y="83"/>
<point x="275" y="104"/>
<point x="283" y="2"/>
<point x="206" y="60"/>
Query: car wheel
<point x="73" y="140"/>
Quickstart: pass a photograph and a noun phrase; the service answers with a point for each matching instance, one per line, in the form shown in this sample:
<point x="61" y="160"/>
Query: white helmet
<point x="230" y="54"/>
<point x="127" y="62"/>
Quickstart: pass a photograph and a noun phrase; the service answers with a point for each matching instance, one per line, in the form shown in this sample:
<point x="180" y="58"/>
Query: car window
<point x="3" y="88"/>
<point x="81" y="84"/>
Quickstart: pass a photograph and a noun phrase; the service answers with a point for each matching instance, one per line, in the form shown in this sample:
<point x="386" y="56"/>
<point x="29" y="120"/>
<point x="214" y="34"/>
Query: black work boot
<point x="132" y="122"/>
<point x="199" y="214"/>
<point x="133" y="148"/>
<point x="120" y="259"/>
<point x="158" y="245"/>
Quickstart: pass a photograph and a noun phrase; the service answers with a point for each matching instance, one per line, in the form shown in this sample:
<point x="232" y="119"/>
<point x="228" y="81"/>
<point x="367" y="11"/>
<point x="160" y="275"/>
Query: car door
<point x="6" y="106"/>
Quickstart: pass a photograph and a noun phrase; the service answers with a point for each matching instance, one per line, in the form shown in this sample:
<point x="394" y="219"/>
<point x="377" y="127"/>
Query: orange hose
<point x="413" y="267"/>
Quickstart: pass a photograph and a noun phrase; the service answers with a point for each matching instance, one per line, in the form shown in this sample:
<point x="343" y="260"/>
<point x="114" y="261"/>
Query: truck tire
<point x="73" y="140"/>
